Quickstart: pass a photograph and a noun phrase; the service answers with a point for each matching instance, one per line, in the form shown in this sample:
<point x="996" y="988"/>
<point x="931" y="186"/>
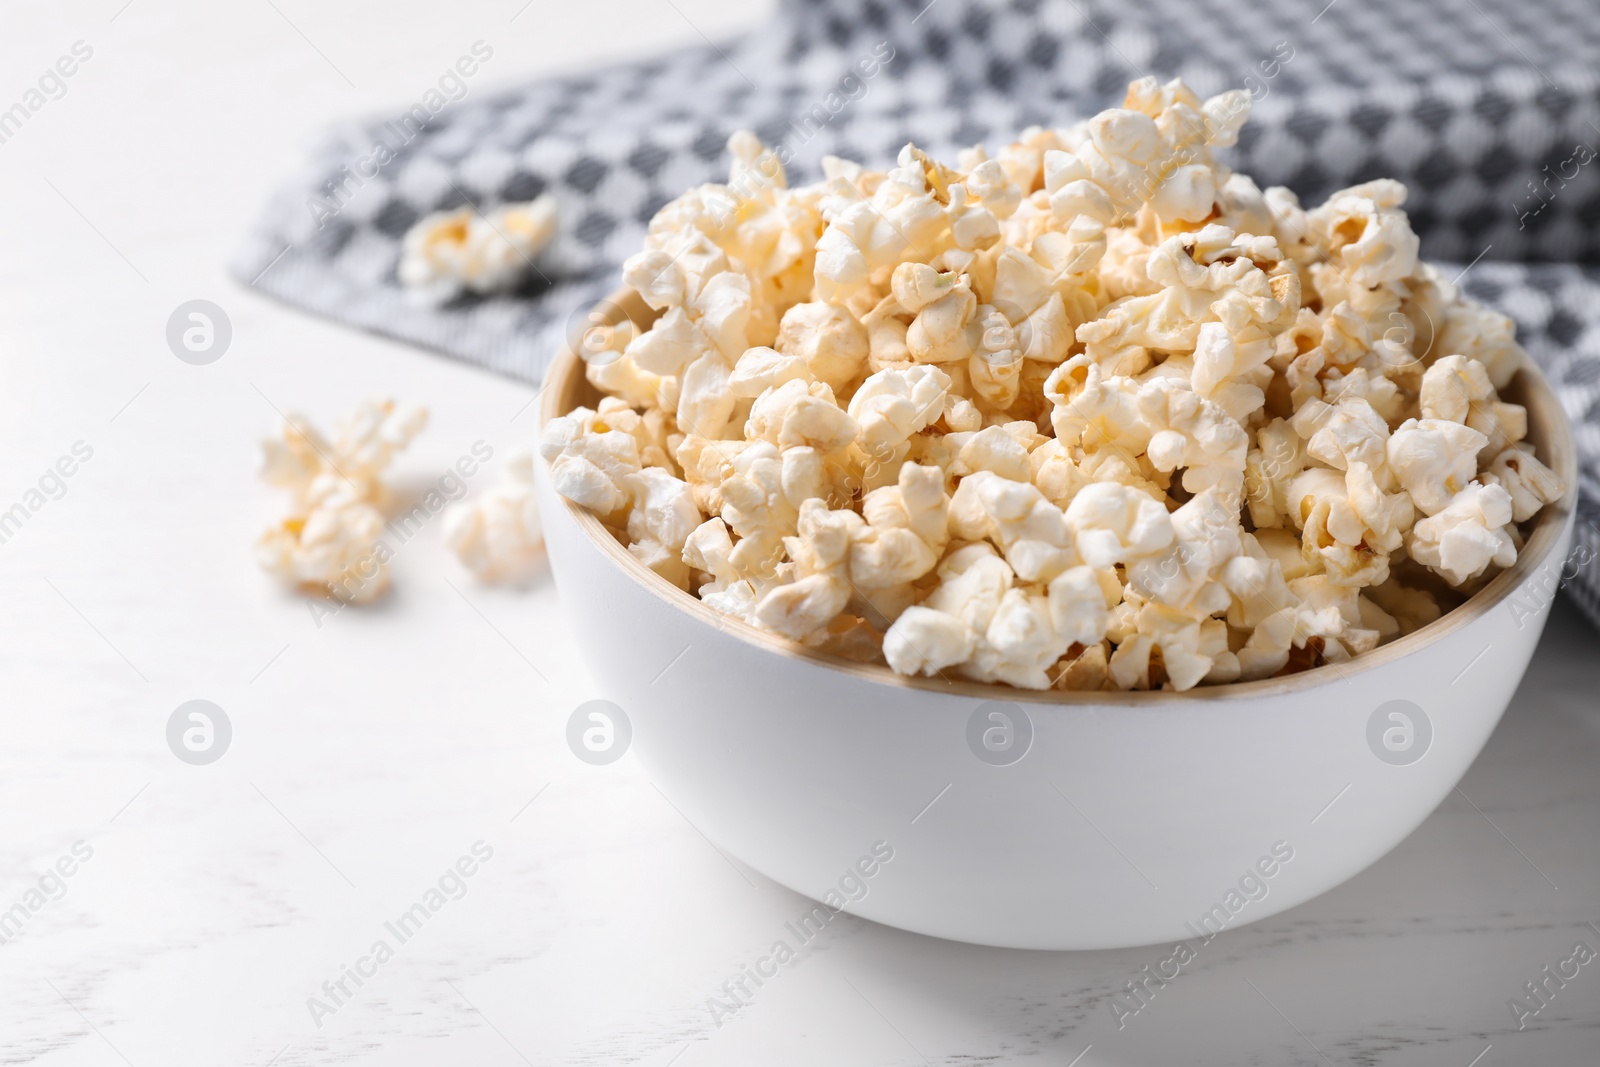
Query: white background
<point x="373" y="750"/>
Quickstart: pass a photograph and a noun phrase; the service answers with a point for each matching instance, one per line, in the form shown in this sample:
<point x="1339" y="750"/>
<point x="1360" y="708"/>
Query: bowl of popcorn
<point x="1127" y="551"/>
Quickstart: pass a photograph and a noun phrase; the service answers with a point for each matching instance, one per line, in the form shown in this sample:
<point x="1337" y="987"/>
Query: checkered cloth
<point x="1490" y="113"/>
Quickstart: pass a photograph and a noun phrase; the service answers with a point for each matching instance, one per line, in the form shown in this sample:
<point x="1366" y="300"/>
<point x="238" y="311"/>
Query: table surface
<point x="374" y="748"/>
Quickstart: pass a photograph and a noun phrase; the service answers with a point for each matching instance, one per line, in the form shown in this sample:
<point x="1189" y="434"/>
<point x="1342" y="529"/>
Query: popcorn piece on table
<point x="498" y="536"/>
<point x="332" y="537"/>
<point x="333" y="546"/>
<point x="364" y="442"/>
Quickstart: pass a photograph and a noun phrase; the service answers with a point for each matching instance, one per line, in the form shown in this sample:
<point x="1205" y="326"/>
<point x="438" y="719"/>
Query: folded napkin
<point x="1490" y="114"/>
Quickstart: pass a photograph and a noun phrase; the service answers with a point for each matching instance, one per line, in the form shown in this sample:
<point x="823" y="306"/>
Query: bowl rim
<point x="1548" y="429"/>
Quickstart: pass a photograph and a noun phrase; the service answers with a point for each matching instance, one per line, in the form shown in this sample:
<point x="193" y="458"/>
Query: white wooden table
<point x="371" y="751"/>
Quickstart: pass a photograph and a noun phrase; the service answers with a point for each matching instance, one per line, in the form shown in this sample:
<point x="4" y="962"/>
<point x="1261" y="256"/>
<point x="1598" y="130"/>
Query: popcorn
<point x="1482" y="335"/>
<point x="1364" y="230"/>
<point x="1019" y="644"/>
<point x="1411" y="608"/>
<point x="1092" y="413"/>
<point x="924" y="641"/>
<point x="993" y="449"/>
<point x="1531" y="484"/>
<point x="663" y="509"/>
<point x="1299" y="626"/>
<point x="332" y="540"/>
<point x="762" y="368"/>
<point x="498" y="536"/>
<point x="972" y="579"/>
<point x="1189" y="431"/>
<point x="729" y="588"/>
<point x="1112" y="524"/>
<point x="1088" y="670"/>
<point x="1053" y="469"/>
<point x="821" y="587"/>
<point x="907" y="530"/>
<point x="1458" y="389"/>
<point x="334" y="547"/>
<point x="1461" y="540"/>
<point x="1206" y="534"/>
<point x="1340" y="434"/>
<point x="451" y="252"/>
<point x="1079" y="600"/>
<point x="612" y="369"/>
<point x="1350" y="525"/>
<point x="939" y="332"/>
<point x="756" y="489"/>
<point x="912" y="212"/>
<point x="1257" y="588"/>
<point x="894" y="404"/>
<point x="588" y="465"/>
<point x="1434" y="459"/>
<point x="830" y="340"/>
<point x="1452" y="386"/>
<point x="801" y="414"/>
<point x="663" y="560"/>
<point x="1013" y="515"/>
<point x="364" y="442"/>
<point x="1131" y="157"/>
<point x="1270" y="468"/>
<point x="1166" y="645"/>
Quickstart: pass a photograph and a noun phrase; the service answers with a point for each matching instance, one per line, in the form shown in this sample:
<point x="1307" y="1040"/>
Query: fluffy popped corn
<point x="1092" y="413"/>
<point x="498" y="536"/>
<point x="331" y="541"/>
<point x="332" y="544"/>
<point x="451" y="252"/>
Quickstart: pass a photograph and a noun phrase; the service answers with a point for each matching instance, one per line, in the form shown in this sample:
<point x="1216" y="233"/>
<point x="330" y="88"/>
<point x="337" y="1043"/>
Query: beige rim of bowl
<point x="566" y="388"/>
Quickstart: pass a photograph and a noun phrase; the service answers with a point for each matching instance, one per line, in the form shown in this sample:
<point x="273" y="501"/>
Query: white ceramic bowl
<point x="1132" y="818"/>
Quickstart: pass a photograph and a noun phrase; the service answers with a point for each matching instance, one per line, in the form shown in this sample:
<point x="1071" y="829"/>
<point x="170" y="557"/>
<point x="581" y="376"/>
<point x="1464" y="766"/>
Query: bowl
<point x="1055" y="820"/>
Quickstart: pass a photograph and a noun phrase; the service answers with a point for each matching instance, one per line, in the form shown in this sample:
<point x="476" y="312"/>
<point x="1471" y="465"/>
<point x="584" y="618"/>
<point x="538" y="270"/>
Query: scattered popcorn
<point x="497" y="536"/>
<point x="363" y="444"/>
<point x="332" y="540"/>
<point x="334" y="547"/>
<point x="451" y="252"/>
<point x="1094" y="413"/>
